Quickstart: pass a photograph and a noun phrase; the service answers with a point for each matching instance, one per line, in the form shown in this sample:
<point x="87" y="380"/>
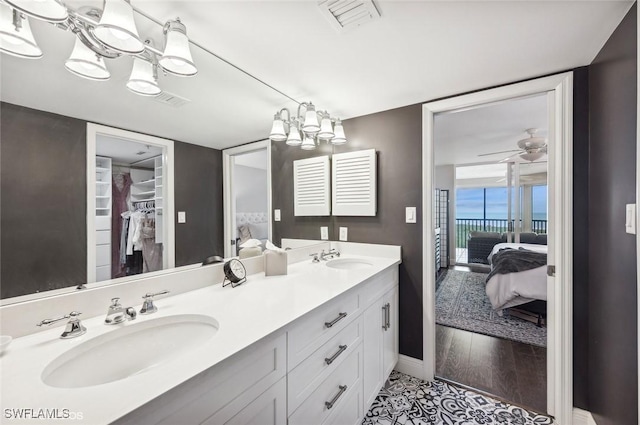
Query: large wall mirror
<point x="46" y="160"/>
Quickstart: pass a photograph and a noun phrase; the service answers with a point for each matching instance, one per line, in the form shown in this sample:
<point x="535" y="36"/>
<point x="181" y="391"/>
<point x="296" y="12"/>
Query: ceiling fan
<point x="530" y="149"/>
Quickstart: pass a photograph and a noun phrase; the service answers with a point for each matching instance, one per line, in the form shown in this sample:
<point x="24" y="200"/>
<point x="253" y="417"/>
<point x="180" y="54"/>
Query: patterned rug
<point x="461" y="302"/>
<point x="408" y="400"/>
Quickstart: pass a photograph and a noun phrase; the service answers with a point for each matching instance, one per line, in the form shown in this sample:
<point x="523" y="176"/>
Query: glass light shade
<point x="326" y="129"/>
<point x="311" y="120"/>
<point x="308" y="144"/>
<point x="117" y="28"/>
<point x="339" y="138"/>
<point x="294" y="136"/>
<point x="277" y="130"/>
<point x="142" y="80"/>
<point x="176" y="57"/>
<point x="85" y="63"/>
<point x="46" y="10"/>
<point x="531" y="156"/>
<point x="17" y="41"/>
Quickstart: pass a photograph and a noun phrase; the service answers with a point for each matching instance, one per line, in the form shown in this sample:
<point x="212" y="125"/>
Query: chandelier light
<point x="46" y="10"/>
<point x="16" y="38"/>
<point x="117" y="28"/>
<point x="85" y="63"/>
<point x="100" y="34"/>
<point x="315" y="126"/>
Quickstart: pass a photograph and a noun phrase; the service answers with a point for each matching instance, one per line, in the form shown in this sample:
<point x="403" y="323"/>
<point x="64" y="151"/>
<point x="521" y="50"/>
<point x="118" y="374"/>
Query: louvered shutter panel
<point x="354" y="183"/>
<point x="311" y="187"/>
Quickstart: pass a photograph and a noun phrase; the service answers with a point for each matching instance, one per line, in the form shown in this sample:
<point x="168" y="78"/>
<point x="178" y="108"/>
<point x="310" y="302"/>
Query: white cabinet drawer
<point x="103" y="237"/>
<point x="103" y="273"/>
<point x="306" y="377"/>
<point x="103" y="255"/>
<point x="350" y="411"/>
<point x="314" y="410"/>
<point x="103" y="223"/>
<point x="308" y="333"/>
<point x="244" y="377"/>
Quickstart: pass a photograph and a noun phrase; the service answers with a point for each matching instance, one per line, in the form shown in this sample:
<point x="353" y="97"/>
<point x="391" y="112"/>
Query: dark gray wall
<point x="43" y="234"/>
<point x="43" y="240"/>
<point x="612" y="347"/>
<point x="198" y="192"/>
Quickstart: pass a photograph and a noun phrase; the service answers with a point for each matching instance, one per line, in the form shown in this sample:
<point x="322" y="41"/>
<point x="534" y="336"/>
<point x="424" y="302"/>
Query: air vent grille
<point x="171" y="99"/>
<point x="345" y="15"/>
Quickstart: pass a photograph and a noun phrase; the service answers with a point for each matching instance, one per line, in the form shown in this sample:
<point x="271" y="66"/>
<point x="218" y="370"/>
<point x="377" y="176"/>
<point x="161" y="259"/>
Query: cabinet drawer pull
<point x="388" y="317"/>
<point x="330" y="360"/>
<point x="333" y="401"/>
<point x="384" y="317"/>
<point x="336" y="320"/>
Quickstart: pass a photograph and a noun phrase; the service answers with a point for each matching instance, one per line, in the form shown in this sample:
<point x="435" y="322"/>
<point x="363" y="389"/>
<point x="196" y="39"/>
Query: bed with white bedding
<point x="512" y="289"/>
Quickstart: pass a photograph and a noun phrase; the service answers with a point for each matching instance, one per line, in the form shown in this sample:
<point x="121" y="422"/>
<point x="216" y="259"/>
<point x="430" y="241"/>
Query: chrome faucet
<point x="147" y="306"/>
<point x="73" y="329"/>
<point x="118" y="314"/>
<point x="316" y="259"/>
<point x="324" y="256"/>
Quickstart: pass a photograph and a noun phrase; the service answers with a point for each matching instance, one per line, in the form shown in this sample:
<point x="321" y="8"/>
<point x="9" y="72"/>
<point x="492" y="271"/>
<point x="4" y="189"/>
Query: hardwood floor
<point x="511" y="370"/>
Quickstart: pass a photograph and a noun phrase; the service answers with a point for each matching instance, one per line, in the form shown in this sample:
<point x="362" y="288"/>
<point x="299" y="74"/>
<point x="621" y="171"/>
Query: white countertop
<point x="246" y="314"/>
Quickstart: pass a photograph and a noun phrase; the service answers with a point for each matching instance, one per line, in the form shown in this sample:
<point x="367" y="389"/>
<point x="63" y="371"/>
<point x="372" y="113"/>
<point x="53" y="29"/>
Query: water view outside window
<point x="539" y="202"/>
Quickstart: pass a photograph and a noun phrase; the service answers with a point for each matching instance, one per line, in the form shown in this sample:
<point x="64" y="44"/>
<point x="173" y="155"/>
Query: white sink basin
<point x="129" y="350"/>
<point x="348" y="264"/>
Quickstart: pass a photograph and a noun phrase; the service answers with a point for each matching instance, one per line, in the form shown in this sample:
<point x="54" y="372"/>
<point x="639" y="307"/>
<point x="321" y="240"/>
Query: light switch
<point x="410" y="214"/>
<point x="630" y="220"/>
<point x="276" y="215"/>
<point x="324" y="233"/>
<point x="343" y="234"/>
<point x="182" y="217"/>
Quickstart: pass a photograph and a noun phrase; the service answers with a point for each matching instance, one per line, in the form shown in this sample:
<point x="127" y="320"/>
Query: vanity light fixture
<point x="316" y="126"/>
<point x="176" y="57"/>
<point x="16" y="38"/>
<point x="117" y="28"/>
<point x="100" y="34"/>
<point x="46" y="10"/>
<point x="86" y="63"/>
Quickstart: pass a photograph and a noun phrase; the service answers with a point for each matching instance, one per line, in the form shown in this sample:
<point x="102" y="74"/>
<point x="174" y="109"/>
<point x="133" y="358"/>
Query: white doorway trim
<point x="229" y="207"/>
<point x="560" y="307"/>
<point x="169" y="246"/>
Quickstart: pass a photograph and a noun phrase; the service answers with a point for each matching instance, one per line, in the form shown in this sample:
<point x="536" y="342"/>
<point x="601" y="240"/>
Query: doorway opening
<point x="479" y="330"/>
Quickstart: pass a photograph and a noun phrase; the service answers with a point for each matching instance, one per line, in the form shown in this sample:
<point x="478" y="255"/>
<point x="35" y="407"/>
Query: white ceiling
<point x="417" y="51"/>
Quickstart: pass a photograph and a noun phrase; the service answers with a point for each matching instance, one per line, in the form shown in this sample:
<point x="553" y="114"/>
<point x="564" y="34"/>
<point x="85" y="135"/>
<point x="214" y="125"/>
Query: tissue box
<point x="275" y="263"/>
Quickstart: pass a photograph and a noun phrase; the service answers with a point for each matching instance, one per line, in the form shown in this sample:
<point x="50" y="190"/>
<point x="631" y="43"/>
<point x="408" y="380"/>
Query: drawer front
<point x="103" y="223"/>
<point x="314" y="329"/>
<point x="306" y="377"/>
<point x="239" y="379"/>
<point x="103" y="273"/>
<point x="103" y="237"/>
<point x="103" y="255"/>
<point x="349" y="412"/>
<point x="314" y="410"/>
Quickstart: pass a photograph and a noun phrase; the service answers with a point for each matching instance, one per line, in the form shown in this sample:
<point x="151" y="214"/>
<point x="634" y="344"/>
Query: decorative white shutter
<point x="354" y="183"/>
<point x="311" y="187"/>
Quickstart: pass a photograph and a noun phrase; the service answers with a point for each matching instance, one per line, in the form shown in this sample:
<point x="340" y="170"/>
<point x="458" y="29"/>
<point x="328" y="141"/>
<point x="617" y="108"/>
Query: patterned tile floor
<point x="408" y="400"/>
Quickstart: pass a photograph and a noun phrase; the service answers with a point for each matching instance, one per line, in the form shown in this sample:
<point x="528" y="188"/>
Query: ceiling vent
<point x="171" y="99"/>
<point x="346" y="15"/>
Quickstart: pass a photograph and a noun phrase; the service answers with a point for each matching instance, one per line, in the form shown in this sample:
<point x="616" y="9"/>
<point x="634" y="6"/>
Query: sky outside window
<point x="470" y="202"/>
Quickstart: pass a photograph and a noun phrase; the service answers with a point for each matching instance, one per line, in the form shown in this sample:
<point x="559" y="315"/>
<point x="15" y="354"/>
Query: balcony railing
<point x="466" y="225"/>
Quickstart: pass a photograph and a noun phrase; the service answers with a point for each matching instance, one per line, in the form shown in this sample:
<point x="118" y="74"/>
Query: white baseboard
<point x="582" y="417"/>
<point x="410" y="366"/>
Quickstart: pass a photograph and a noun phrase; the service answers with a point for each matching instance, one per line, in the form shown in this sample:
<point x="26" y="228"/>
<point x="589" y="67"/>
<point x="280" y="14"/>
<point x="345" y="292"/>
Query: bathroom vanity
<point x="313" y="346"/>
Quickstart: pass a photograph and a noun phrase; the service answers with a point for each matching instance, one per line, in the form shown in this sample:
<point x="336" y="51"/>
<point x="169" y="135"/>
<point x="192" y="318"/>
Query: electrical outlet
<point x="343" y="234"/>
<point x="276" y="215"/>
<point x="182" y="217"/>
<point x="324" y="233"/>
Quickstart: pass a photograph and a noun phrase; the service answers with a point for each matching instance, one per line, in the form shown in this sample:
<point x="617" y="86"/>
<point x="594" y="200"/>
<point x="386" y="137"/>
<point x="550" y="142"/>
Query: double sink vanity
<point x="313" y="346"/>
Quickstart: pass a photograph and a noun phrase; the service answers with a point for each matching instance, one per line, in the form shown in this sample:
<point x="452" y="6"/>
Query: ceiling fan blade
<point x="495" y="153"/>
<point x="507" y="159"/>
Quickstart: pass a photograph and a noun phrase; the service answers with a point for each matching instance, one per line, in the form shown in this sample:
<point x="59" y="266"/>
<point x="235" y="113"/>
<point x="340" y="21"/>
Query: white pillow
<point x="259" y="230"/>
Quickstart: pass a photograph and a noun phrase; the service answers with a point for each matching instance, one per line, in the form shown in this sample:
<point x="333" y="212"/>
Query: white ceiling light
<point x="144" y="78"/>
<point x="16" y="38"/>
<point x="85" y="63"/>
<point x="46" y="10"/>
<point x="313" y="129"/>
<point x="532" y="156"/>
<point x="117" y="28"/>
<point x="176" y="57"/>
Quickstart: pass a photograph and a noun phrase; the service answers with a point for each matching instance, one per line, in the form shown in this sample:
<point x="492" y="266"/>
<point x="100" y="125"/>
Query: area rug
<point x="405" y="400"/>
<point x="461" y="302"/>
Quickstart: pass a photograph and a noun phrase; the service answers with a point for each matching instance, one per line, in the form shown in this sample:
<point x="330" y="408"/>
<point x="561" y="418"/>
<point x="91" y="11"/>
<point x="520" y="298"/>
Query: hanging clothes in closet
<point x="121" y="192"/>
<point x="142" y="253"/>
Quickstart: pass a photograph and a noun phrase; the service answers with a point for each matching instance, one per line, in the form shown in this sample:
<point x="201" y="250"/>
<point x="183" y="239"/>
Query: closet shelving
<point x="158" y="197"/>
<point x="103" y="217"/>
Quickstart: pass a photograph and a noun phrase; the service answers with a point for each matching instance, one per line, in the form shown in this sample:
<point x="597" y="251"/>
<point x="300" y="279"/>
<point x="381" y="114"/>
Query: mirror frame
<point x="169" y="246"/>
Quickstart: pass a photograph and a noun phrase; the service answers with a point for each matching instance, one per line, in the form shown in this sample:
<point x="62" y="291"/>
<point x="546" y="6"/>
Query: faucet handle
<point x="115" y="302"/>
<point x="147" y="306"/>
<point x="155" y="294"/>
<point x="315" y="257"/>
<point x="74" y="327"/>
